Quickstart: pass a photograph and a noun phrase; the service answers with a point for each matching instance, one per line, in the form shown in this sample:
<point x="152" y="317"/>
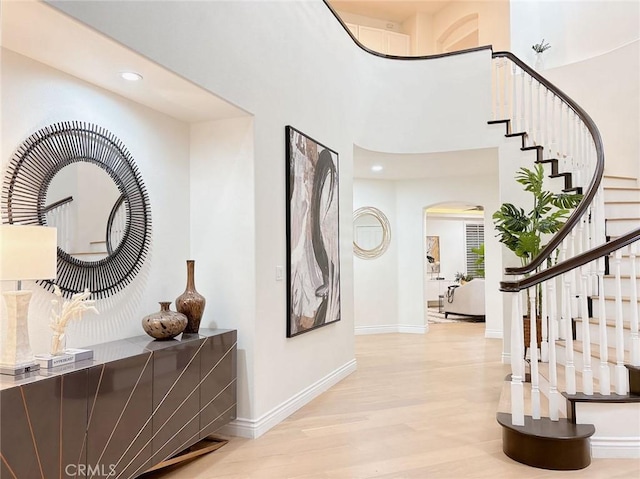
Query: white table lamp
<point x="27" y="253"/>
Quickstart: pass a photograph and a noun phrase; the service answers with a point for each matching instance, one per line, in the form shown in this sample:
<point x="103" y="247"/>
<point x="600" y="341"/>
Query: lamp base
<point x="16" y="356"/>
<point x="15" y="370"/>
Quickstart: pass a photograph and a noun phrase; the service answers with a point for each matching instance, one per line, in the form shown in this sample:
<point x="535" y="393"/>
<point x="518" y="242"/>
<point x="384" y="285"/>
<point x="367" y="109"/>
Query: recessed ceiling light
<point x="131" y="76"/>
<point x="376" y="168"/>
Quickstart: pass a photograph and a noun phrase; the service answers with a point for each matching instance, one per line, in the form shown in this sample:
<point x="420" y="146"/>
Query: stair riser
<point x="622" y="210"/>
<point x="621" y="227"/>
<point x="610" y="308"/>
<point x="625" y="265"/>
<point x="625" y="286"/>
<point x="608" y="181"/>
<point x="621" y="195"/>
<point x="595" y="363"/>
<point x="594" y="332"/>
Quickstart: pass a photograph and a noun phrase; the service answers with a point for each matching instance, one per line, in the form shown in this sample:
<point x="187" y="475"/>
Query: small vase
<point x="164" y="324"/>
<point x="191" y="303"/>
<point x="58" y="344"/>
<point x="539" y="65"/>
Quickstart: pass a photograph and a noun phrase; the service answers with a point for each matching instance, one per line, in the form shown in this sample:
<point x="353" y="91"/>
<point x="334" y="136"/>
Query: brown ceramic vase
<point x="191" y="303"/>
<point x="164" y="324"/>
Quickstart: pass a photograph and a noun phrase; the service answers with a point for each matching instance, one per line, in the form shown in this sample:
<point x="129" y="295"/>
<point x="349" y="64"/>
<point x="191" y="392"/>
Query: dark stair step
<point x="554" y="165"/>
<point x="634" y="379"/>
<point x="539" y="151"/>
<point x="568" y="182"/>
<point x="522" y="134"/>
<point x="507" y="124"/>
<point x="557" y="445"/>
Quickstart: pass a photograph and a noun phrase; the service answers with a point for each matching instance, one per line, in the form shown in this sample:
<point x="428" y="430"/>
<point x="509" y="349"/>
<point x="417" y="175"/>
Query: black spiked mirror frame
<point x="24" y="190"/>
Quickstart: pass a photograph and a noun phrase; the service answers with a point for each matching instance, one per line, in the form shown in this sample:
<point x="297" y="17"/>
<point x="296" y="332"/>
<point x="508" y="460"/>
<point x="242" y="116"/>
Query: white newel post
<point x="554" y="397"/>
<point x="517" y="361"/>
<point x="533" y="353"/>
<point x="605" y="376"/>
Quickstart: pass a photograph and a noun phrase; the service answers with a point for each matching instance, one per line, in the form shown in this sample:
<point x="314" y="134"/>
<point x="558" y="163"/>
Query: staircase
<point x="578" y="394"/>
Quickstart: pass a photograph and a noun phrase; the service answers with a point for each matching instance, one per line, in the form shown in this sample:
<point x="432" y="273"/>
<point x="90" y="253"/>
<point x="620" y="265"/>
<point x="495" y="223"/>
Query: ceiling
<point x="40" y="32"/>
<point x="391" y="10"/>
<point x="423" y="165"/>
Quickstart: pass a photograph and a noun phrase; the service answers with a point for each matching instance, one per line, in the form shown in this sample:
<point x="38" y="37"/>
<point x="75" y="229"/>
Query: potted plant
<point x="462" y="278"/>
<point x="540" y="48"/>
<point x="479" y="262"/>
<point x="523" y="232"/>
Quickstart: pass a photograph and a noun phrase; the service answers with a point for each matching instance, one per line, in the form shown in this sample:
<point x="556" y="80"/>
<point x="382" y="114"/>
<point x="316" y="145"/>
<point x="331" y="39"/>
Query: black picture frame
<point x="313" y="234"/>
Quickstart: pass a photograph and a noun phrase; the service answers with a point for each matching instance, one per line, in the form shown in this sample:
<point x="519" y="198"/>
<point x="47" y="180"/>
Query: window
<point x="474" y="237"/>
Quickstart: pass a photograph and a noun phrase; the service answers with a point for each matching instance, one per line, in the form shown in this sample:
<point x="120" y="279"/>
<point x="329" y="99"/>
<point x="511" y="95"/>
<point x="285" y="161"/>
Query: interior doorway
<point x="453" y="255"/>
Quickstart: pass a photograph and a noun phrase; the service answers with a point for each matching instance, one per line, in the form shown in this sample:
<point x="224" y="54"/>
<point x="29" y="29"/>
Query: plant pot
<point x="527" y="332"/>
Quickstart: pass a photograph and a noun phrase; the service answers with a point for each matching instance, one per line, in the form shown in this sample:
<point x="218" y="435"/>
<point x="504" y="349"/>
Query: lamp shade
<point x="27" y="252"/>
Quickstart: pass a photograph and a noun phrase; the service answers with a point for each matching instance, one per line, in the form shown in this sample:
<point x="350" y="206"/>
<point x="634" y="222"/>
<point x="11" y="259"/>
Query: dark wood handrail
<point x="58" y="203"/>
<point x="572" y="263"/>
<point x="592" y="189"/>
<point x="398" y="57"/>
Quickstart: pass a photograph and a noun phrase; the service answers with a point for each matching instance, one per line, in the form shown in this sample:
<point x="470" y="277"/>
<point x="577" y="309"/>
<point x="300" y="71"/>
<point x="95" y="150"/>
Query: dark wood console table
<point x="136" y="404"/>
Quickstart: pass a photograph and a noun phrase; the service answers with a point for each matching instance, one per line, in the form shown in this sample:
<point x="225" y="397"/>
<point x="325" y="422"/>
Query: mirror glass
<point x="371" y="232"/>
<point x="367" y="232"/>
<point x="79" y="202"/>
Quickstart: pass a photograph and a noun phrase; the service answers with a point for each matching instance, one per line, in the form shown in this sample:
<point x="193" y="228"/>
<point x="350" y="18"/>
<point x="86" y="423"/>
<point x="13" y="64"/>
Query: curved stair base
<point x="557" y="445"/>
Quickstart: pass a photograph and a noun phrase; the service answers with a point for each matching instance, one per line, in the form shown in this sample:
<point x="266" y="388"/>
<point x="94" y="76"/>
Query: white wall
<point x="371" y="22"/>
<point x="576" y="30"/>
<point x="415" y="195"/>
<point x="375" y="281"/>
<point x="223" y="234"/>
<point x="33" y="96"/>
<point x="292" y="63"/>
<point x="493" y="21"/>
<point x="608" y="88"/>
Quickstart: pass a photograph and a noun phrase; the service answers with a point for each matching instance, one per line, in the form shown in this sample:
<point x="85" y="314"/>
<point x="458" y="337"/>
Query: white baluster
<point x="554" y="396"/>
<point x="561" y="159"/>
<point x="544" y="344"/>
<point x="554" y="127"/>
<point x="635" y="340"/>
<point x="531" y="128"/>
<point x="605" y="376"/>
<point x="587" y="372"/>
<point x="546" y="123"/>
<point x="563" y="322"/>
<point x="522" y="125"/>
<point x="496" y="90"/>
<point x="570" y="370"/>
<point x="538" y="116"/>
<point x="514" y="97"/>
<point x="517" y="362"/>
<point x="533" y="353"/>
<point x="621" y="375"/>
<point x="505" y="86"/>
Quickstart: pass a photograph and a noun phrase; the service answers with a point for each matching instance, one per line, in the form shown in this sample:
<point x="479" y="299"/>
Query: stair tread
<point x="620" y="177"/>
<point x="543" y="371"/>
<point x="625" y="299"/>
<point x="622" y="219"/>
<point x="622" y="202"/>
<point x="626" y="323"/>
<point x="621" y="188"/>
<point x="545" y="427"/>
<point x="595" y="351"/>
<point x="597" y="397"/>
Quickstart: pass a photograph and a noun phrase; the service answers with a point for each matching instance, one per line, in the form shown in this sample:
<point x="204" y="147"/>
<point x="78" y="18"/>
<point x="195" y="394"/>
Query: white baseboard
<point x="506" y="358"/>
<point x="615" y="447"/>
<point x="493" y="333"/>
<point x="391" y="328"/>
<point x="253" y="428"/>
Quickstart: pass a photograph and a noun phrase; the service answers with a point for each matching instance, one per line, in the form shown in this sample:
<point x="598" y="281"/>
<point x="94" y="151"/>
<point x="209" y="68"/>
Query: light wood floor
<point x="419" y="406"/>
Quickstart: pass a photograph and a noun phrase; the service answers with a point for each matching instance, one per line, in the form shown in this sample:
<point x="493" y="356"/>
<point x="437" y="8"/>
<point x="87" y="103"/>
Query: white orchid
<point x="65" y="311"/>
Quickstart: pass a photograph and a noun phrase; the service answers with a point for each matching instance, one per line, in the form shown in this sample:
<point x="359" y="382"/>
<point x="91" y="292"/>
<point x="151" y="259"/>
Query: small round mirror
<point x="371" y="233"/>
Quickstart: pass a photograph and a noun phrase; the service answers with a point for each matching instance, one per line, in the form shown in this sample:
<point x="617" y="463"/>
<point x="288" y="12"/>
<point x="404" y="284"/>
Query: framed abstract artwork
<point x="433" y="254"/>
<point x="313" y="237"/>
